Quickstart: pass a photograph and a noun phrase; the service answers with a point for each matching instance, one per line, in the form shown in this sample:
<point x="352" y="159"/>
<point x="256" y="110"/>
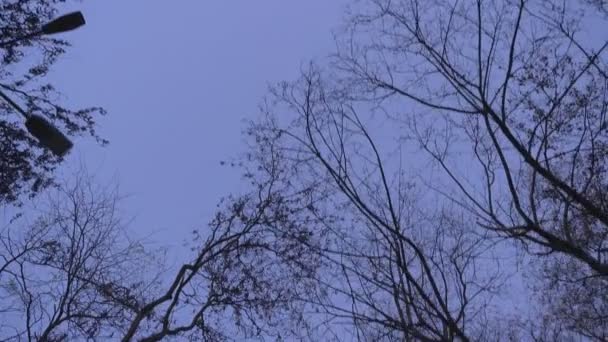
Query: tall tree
<point x="508" y="100"/>
<point x="250" y="268"/>
<point x="390" y="268"/>
<point x="25" y="166"/>
<point x="69" y="270"/>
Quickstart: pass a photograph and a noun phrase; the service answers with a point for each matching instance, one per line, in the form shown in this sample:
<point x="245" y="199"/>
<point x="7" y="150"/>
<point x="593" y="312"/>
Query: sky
<point x="178" y="79"/>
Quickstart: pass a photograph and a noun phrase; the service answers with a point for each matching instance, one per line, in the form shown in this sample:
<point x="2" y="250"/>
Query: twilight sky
<point x="178" y="78"/>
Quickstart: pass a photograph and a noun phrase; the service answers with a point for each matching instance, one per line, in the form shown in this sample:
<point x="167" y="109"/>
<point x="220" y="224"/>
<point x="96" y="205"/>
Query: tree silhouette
<point x="497" y="111"/>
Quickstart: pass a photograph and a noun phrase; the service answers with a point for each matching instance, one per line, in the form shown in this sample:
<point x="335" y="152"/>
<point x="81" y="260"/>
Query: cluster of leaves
<point x="25" y="166"/>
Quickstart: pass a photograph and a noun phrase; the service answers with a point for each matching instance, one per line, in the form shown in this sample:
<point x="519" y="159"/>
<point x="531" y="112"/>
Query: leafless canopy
<point x="494" y="111"/>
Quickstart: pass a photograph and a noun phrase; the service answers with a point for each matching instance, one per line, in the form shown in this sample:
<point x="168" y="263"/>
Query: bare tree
<point x="509" y="101"/>
<point x="391" y="268"/>
<point x="250" y="266"/>
<point x="74" y="273"/>
<point x="71" y="272"/>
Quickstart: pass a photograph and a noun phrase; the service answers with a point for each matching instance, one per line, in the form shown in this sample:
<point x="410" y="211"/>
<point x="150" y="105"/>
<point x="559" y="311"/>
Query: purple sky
<point x="178" y="78"/>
